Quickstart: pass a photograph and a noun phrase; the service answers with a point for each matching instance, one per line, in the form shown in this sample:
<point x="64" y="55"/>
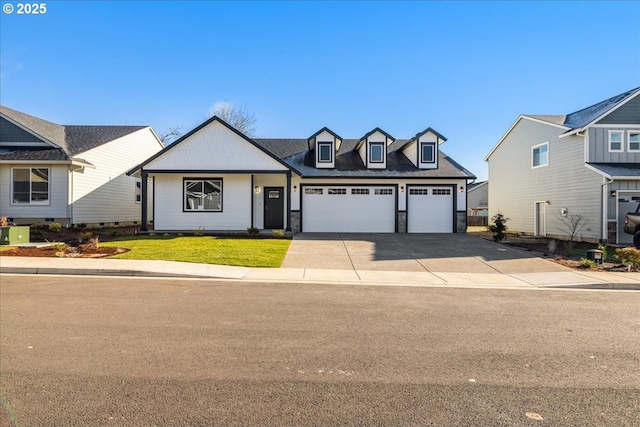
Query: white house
<point x="587" y="163"/>
<point x="70" y="174"/>
<point x="217" y="179"/>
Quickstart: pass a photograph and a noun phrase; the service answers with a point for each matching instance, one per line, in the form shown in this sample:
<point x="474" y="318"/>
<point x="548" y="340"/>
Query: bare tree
<point x="571" y="226"/>
<point x="239" y="117"/>
<point x="168" y="136"/>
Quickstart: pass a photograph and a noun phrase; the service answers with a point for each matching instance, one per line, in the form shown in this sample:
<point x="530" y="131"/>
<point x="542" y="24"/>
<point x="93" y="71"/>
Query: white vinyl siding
<point x="169" y="201"/>
<point x="57" y="205"/>
<point x="565" y="183"/>
<point x="106" y="194"/>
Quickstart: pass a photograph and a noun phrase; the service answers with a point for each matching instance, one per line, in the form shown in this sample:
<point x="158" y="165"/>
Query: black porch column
<point x="288" y="200"/>
<point x="144" y="202"/>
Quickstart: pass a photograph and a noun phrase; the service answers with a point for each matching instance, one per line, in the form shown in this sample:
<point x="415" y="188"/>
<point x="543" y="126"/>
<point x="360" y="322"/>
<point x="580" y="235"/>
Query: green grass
<point x="204" y="249"/>
<point x="6" y="247"/>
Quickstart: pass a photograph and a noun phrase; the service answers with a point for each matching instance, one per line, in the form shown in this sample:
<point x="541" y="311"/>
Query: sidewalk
<point x="141" y="268"/>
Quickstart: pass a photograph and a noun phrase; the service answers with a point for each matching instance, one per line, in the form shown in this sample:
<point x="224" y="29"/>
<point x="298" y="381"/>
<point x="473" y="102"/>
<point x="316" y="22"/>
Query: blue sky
<point x="467" y="69"/>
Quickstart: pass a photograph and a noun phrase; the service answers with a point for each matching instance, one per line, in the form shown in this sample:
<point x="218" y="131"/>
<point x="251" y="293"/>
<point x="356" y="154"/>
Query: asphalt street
<point x="88" y="351"/>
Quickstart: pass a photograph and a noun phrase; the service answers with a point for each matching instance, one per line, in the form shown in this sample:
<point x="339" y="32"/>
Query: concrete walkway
<point x="140" y="268"/>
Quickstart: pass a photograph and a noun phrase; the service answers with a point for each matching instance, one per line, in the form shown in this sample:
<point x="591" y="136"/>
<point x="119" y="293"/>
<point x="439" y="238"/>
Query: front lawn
<point x="204" y="249"/>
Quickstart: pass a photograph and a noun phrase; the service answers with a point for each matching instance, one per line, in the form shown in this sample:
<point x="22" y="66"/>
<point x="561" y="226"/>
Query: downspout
<point x="604" y="231"/>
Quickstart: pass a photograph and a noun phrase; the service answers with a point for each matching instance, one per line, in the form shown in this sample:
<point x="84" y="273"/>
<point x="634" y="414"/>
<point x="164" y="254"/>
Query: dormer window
<point x="376" y="152"/>
<point x="428" y="152"/>
<point x="325" y="152"/>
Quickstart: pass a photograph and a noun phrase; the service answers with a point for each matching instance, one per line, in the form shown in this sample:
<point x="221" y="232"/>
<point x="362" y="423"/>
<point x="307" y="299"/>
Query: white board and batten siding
<point x="56" y="208"/>
<point x="564" y="183"/>
<point x="106" y="194"/>
<point x="215" y="147"/>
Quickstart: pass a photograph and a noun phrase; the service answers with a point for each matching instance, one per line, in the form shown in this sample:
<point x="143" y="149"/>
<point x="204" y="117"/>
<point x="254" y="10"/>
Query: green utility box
<point x="14" y="235"/>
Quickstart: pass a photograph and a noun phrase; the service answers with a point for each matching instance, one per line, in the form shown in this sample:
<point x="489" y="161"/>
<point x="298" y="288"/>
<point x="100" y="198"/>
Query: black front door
<point x="274" y="208"/>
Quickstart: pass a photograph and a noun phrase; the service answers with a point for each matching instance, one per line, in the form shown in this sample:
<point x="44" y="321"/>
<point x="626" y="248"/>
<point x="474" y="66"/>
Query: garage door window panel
<point x="337" y="191"/>
<point x="203" y="195"/>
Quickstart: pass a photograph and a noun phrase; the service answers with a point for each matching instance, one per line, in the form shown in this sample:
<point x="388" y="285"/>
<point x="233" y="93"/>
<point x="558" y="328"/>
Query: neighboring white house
<point x="217" y="179"/>
<point x="587" y="163"/>
<point x="70" y="174"/>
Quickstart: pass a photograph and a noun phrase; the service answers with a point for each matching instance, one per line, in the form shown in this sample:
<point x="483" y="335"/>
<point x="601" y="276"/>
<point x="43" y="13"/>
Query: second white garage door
<point x="430" y="210"/>
<point x="349" y="209"/>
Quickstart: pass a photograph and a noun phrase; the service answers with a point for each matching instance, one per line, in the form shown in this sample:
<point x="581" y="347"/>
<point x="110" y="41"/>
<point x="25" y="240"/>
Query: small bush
<point x="499" y="227"/>
<point x="278" y="233"/>
<point x="55" y="227"/>
<point x="80" y="227"/>
<point x="604" y="250"/>
<point x="85" y="236"/>
<point x="59" y="246"/>
<point x="629" y="257"/>
<point x="253" y="231"/>
<point x="199" y="232"/>
<point x="586" y="263"/>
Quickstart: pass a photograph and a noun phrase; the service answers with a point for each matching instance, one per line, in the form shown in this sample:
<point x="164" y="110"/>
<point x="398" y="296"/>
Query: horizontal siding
<point x="565" y="183"/>
<point x="106" y="194"/>
<point x="214" y="147"/>
<point x="236" y="205"/>
<point x="58" y="194"/>
<point x="629" y="113"/>
<point x="599" y="147"/>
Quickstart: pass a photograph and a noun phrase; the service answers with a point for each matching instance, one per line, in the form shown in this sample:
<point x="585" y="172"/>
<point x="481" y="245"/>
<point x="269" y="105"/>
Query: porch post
<point x="288" y="200"/>
<point x="144" y="202"/>
<point x="252" y="200"/>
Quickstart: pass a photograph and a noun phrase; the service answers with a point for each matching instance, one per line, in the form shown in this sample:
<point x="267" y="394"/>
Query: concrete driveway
<point x="454" y="253"/>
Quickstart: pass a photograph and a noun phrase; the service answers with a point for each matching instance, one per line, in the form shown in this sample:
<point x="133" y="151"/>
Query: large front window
<point x="540" y="155"/>
<point x="203" y="195"/>
<point x="30" y="186"/>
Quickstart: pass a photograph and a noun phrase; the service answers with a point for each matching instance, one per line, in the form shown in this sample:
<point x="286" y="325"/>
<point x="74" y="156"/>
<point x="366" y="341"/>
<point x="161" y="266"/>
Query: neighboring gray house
<point x="218" y="179"/>
<point x="70" y="174"/>
<point x="586" y="163"/>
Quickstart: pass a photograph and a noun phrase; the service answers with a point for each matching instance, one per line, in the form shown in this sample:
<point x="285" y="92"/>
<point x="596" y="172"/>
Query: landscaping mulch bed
<point x="82" y="251"/>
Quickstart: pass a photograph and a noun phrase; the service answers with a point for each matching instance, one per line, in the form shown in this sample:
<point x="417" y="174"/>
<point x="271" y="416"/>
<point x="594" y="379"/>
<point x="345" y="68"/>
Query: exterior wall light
<point x="257" y="189"/>
<point x="461" y="189"/>
<point x="402" y="188"/>
<point x="295" y="188"/>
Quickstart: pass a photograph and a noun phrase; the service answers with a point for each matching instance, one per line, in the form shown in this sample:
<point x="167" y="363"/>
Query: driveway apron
<point x="454" y="253"/>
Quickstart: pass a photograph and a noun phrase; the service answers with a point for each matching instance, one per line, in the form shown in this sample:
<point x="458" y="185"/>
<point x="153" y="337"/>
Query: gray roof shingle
<point x="631" y="170"/>
<point x="71" y="140"/>
<point x="296" y="154"/>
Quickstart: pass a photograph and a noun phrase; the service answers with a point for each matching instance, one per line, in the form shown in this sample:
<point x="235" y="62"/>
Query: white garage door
<point x="430" y="210"/>
<point x="349" y="209"/>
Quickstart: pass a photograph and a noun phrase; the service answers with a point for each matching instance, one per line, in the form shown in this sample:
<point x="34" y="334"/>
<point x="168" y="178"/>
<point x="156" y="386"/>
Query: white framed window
<point x="633" y="141"/>
<point x="376" y="152"/>
<point x="540" y="155"/>
<point x="615" y="141"/>
<point x="30" y="186"/>
<point x="325" y="152"/>
<point x="138" y="191"/>
<point x="428" y="152"/>
<point x="202" y="195"/>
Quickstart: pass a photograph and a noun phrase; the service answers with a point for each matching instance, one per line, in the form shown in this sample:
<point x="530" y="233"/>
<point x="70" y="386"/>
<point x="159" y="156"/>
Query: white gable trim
<point x="603" y="115"/>
<point x="522" y="116"/>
